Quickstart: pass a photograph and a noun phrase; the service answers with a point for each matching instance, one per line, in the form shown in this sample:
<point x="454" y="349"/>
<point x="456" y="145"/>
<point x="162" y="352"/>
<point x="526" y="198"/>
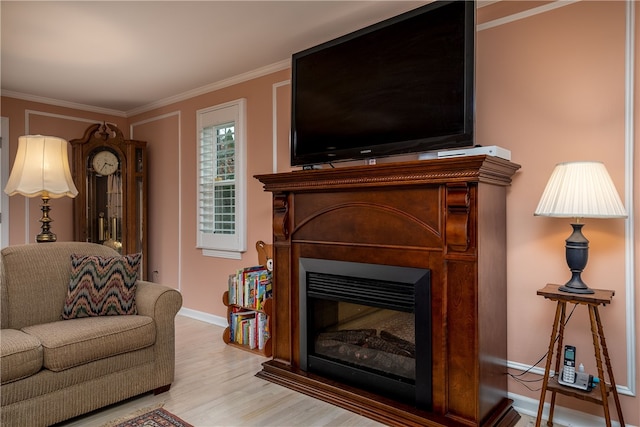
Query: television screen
<point x="404" y="85"/>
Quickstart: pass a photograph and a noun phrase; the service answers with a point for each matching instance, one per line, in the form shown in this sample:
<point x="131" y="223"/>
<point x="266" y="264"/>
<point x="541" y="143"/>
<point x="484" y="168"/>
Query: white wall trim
<point x="152" y="119"/>
<point x="204" y="317"/>
<point x="59" y="103"/>
<point x="274" y="120"/>
<point x="4" y="126"/>
<point x="540" y="371"/>
<point x="525" y="14"/>
<point x="561" y="415"/>
<point x="29" y="113"/>
<point x="263" y="71"/>
<point x="27" y="231"/>
<point x="629" y="197"/>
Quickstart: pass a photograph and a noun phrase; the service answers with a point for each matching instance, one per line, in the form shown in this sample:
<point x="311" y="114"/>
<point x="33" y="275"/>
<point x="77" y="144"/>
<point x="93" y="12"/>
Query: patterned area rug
<point x="158" y="417"/>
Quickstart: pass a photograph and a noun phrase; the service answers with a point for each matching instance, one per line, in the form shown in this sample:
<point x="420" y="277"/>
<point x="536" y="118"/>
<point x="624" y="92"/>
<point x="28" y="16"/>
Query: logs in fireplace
<point x="364" y="348"/>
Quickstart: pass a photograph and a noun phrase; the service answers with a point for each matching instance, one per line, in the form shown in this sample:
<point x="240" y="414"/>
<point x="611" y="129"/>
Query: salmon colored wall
<point x="282" y="119"/>
<point x="550" y="87"/>
<point x="172" y="136"/>
<point x="163" y="152"/>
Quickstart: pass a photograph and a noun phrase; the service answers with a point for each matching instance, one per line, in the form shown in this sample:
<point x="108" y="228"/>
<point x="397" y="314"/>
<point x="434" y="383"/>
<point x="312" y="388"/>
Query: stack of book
<point x="250" y="287"/>
<point x="248" y="328"/>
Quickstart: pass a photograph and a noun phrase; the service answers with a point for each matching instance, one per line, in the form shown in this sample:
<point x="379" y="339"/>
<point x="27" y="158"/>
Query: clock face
<point x="105" y="163"/>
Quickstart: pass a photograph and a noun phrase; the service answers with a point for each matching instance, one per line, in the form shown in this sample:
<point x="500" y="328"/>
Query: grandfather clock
<point x="111" y="175"/>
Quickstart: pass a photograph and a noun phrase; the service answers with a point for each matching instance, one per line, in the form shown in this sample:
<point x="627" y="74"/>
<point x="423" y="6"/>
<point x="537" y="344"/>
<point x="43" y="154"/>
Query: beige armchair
<point x="54" y="369"/>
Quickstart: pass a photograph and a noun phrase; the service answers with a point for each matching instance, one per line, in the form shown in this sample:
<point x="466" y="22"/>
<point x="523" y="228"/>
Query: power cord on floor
<point x="522" y="381"/>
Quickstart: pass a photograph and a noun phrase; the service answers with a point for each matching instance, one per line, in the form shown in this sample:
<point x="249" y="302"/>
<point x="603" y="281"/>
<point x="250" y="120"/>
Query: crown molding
<point x="59" y="103"/>
<point x="240" y="78"/>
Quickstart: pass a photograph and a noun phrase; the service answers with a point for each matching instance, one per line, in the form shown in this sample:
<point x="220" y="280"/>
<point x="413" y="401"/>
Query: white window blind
<point x="221" y="180"/>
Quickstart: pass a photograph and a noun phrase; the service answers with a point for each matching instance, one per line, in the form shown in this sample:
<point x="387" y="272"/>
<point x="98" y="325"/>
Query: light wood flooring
<point x="215" y="385"/>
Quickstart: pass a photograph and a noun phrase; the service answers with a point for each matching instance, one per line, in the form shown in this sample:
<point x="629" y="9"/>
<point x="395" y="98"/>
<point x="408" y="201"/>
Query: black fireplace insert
<point x="369" y="326"/>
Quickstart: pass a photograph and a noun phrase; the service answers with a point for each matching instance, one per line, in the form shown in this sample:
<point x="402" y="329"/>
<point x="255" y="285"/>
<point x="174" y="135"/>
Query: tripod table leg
<point x="596" y="347"/>
<point x="560" y="313"/>
<point x="607" y="362"/>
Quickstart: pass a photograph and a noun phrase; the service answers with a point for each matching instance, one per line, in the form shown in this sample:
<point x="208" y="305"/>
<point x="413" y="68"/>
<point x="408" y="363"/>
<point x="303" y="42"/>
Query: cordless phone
<point x="569" y="365"/>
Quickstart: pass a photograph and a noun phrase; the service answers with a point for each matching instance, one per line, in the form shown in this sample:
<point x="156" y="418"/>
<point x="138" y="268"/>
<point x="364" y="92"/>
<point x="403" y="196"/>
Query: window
<point x="221" y="180"/>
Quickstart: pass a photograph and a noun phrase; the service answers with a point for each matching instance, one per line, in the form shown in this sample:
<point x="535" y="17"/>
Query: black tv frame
<point x="462" y="137"/>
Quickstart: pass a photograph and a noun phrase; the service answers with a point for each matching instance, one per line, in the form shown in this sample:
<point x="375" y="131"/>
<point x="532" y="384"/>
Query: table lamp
<point x="579" y="190"/>
<point x="41" y="168"/>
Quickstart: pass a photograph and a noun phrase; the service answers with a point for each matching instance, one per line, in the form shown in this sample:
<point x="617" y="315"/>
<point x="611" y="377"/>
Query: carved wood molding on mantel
<point x="482" y="168"/>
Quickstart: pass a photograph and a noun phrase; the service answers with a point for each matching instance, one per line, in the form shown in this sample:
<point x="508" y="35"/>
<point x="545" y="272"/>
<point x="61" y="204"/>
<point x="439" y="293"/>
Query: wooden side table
<point x="592" y="301"/>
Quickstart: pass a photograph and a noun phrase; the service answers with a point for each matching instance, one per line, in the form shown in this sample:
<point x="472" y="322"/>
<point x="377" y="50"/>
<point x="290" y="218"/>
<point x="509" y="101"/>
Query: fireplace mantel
<point x="447" y="215"/>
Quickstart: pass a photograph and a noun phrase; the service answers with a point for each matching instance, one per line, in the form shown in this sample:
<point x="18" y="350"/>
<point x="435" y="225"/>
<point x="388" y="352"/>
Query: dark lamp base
<point x="577" y="253"/>
<point x="572" y="290"/>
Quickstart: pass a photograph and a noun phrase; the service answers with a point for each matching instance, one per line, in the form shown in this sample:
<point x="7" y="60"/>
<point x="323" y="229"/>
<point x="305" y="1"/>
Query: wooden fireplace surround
<point x="447" y="215"/>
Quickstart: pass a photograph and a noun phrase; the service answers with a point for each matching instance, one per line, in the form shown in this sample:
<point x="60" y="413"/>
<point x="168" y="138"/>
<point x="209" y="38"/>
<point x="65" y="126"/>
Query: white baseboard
<point x="564" y="416"/>
<point x="204" y="317"/>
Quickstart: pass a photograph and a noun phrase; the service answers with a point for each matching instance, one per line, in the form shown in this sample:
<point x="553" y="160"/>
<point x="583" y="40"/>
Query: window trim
<point x="229" y="246"/>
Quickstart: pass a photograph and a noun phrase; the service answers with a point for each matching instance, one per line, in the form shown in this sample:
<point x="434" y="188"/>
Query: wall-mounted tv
<point x="404" y="85"/>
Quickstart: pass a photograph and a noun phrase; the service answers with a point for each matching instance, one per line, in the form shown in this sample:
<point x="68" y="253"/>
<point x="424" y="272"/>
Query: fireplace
<point x="367" y="325"/>
<point x="438" y="226"/>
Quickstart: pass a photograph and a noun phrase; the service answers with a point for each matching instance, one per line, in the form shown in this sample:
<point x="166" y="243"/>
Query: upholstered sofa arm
<point x="157" y="301"/>
<point x="162" y="304"/>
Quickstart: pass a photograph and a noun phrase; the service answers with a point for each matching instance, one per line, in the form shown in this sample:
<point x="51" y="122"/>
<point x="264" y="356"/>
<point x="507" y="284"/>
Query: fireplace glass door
<point x="368" y="326"/>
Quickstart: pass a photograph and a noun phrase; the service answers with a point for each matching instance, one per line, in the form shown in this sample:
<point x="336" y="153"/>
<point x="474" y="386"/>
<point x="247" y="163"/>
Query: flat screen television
<point x="403" y="85"/>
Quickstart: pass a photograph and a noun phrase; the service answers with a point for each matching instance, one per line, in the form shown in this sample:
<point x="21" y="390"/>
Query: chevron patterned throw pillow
<point x="102" y="286"/>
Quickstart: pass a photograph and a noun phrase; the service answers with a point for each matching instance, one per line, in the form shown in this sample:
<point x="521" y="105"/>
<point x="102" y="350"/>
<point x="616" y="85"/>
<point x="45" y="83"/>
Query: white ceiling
<point x="125" y="56"/>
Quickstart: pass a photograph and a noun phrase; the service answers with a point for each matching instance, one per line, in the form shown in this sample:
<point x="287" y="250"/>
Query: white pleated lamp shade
<point x="580" y="190"/>
<point x="41" y="168"/>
